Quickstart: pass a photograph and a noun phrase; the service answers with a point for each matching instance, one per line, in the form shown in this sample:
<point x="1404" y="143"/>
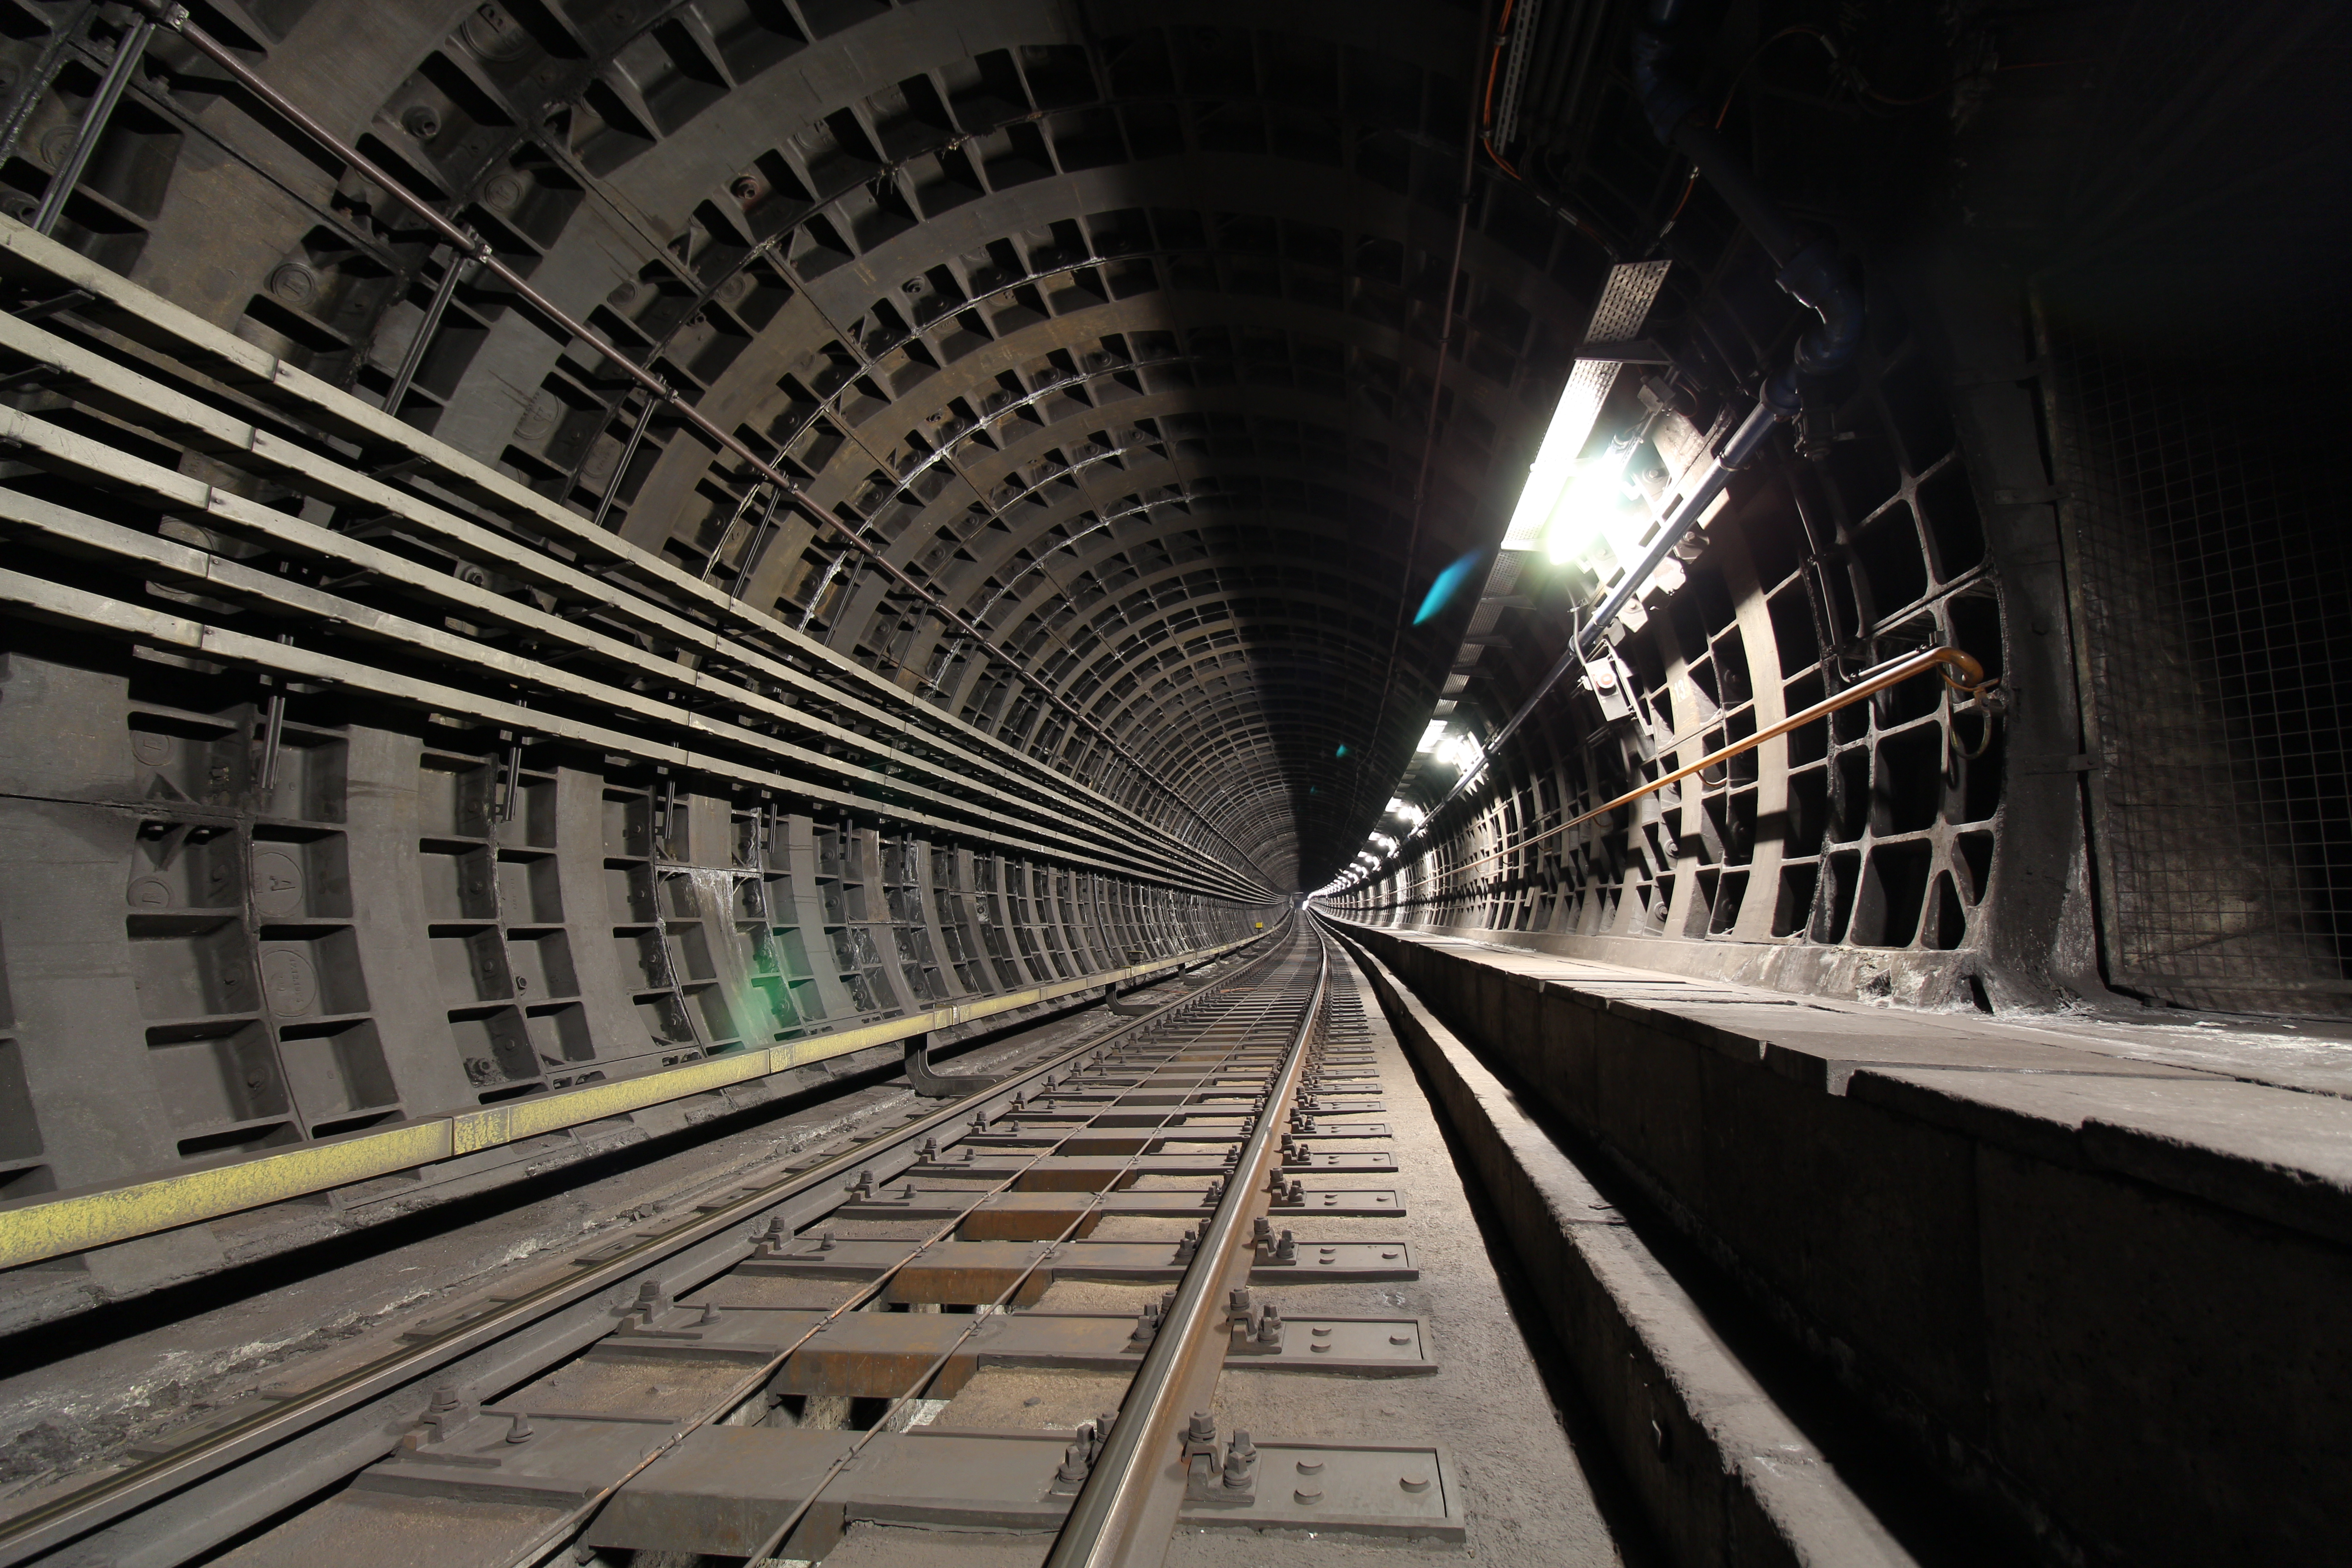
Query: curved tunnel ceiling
<point x="1113" y="326"/>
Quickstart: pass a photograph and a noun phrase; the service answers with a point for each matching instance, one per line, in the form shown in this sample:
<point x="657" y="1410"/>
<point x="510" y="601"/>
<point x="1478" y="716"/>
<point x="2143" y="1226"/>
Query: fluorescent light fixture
<point x="1594" y="509"/>
<point x="1617" y="315"/>
<point x="1461" y="751"/>
<point x="1432" y="735"/>
<point x="1554" y="470"/>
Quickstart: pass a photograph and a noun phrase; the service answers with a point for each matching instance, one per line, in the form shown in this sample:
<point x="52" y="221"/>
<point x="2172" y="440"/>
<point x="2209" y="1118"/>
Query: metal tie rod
<point x="461" y="266"/>
<point x="176" y="17"/>
<point x="127" y="54"/>
<point x="1971" y="679"/>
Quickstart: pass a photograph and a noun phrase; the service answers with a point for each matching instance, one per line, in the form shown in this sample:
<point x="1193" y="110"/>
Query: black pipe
<point x="1810" y="270"/>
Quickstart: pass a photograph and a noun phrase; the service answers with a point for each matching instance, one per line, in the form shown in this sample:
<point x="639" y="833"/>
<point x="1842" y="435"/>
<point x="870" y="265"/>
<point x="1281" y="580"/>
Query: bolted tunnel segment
<point x="808" y="780"/>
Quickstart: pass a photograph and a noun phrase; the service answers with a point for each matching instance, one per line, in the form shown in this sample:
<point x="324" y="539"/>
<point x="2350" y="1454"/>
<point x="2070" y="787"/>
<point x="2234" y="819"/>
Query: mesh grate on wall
<point x="2211" y="592"/>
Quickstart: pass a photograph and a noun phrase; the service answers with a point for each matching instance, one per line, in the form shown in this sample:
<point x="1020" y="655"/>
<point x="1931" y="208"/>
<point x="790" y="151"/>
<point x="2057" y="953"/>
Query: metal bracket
<point x="940" y="1086"/>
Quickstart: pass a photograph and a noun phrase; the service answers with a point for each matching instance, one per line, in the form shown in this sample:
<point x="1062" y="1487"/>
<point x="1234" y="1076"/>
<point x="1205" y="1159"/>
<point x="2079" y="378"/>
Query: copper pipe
<point x="1894" y="673"/>
<point x="176" y="18"/>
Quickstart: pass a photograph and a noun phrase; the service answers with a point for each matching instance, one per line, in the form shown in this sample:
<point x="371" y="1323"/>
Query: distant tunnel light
<point x="1431" y="736"/>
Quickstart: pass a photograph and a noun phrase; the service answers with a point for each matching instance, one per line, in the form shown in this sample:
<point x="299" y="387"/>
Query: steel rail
<point x="753" y="1381"/>
<point x="91" y="1507"/>
<point x="176" y="17"/>
<point x="1134" y="1480"/>
<point x="774" y="1540"/>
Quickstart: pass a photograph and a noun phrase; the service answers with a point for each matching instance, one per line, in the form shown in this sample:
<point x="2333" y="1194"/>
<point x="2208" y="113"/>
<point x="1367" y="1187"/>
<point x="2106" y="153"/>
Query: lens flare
<point x="1449" y="583"/>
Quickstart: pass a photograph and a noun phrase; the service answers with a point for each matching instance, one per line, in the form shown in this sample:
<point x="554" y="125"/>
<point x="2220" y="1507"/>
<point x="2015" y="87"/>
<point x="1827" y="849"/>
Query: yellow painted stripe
<point x="65" y="1223"/>
<point x="520" y="1119"/>
<point x="52" y="1228"/>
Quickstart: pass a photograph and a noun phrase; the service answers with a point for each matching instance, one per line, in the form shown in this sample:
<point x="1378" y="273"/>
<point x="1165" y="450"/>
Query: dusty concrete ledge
<point x="2110" y="1296"/>
<point x="1725" y="1477"/>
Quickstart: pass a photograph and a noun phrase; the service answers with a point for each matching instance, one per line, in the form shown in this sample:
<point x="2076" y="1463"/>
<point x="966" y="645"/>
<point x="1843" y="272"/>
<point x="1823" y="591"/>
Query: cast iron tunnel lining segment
<point x="575" y="570"/>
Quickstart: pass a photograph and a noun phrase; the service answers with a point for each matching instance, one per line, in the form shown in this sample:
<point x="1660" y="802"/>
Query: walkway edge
<point x="1724" y="1477"/>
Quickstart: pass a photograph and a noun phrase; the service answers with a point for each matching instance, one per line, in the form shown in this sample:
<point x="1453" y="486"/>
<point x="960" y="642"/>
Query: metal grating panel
<point x="2212" y="579"/>
<point x="1515" y="72"/>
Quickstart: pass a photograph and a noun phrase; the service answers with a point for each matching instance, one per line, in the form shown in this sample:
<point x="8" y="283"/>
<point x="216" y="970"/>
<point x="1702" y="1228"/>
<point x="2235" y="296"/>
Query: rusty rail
<point x="1869" y="684"/>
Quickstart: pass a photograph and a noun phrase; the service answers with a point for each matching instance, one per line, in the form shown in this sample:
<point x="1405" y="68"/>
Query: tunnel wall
<point x="2101" y="1296"/>
<point x="219" y="968"/>
<point x="311" y="888"/>
<point x="1912" y="846"/>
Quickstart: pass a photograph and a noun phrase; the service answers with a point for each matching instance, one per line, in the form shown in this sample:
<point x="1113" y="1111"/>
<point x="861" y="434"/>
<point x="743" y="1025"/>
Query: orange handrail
<point x="1869" y="684"/>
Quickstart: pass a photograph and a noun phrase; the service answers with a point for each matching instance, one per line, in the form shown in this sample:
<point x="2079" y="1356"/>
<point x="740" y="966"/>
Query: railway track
<point x="788" y="1364"/>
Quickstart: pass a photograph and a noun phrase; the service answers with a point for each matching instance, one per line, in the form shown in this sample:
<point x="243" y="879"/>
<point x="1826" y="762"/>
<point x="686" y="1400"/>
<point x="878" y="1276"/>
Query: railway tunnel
<point x="1058" y="782"/>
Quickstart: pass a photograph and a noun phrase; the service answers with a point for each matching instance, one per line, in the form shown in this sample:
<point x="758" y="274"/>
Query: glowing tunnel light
<point x="1460" y="752"/>
<point x="1595" y="510"/>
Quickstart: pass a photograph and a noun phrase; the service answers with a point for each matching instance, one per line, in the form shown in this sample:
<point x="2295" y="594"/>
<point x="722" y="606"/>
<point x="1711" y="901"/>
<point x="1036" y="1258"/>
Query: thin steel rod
<point x="273" y="728"/>
<point x="1100" y="1532"/>
<point x="628" y="455"/>
<point x="222" y="56"/>
<point x="460" y="263"/>
<point x="273" y="732"/>
<point x="512" y="783"/>
<point x="127" y="54"/>
<point x="1872" y="682"/>
<point x="753" y="551"/>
